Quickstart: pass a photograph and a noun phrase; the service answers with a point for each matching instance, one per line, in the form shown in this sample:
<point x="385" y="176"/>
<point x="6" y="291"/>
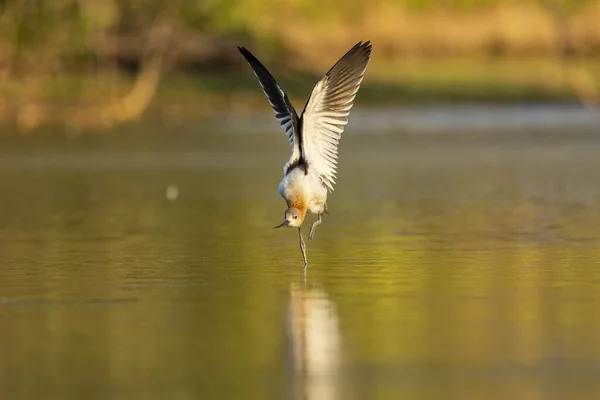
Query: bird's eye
<point x="295" y="217"/>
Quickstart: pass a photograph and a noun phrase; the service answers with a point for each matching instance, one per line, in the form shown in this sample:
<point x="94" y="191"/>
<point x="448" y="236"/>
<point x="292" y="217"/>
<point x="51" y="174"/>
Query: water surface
<point x="451" y="266"/>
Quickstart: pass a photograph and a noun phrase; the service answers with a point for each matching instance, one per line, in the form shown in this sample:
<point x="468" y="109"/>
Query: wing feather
<point x="326" y="112"/>
<point x="284" y="111"/>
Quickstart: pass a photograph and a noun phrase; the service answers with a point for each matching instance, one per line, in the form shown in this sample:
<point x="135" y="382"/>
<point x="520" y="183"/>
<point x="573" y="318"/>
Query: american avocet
<point x="309" y="174"/>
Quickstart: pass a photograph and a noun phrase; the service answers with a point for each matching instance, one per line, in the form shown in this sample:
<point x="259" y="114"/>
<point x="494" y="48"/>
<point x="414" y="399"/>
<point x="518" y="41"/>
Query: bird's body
<point x="309" y="174"/>
<point x="303" y="190"/>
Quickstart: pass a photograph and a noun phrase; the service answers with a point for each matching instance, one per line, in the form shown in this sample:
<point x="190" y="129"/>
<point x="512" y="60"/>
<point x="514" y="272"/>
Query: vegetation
<point x="101" y="63"/>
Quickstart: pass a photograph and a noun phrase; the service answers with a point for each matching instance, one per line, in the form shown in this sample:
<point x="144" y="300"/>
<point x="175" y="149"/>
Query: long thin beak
<point x="284" y="223"/>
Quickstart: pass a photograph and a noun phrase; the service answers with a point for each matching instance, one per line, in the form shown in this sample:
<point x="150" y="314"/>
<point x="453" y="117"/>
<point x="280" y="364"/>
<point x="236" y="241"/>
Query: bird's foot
<point x="304" y="271"/>
<point x="303" y="248"/>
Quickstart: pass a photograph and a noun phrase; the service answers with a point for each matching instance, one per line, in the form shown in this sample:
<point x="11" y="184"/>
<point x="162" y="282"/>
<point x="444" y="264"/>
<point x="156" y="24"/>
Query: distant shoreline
<point x="79" y="101"/>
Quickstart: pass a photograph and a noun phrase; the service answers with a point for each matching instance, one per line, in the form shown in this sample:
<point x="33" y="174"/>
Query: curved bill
<point x="284" y="223"/>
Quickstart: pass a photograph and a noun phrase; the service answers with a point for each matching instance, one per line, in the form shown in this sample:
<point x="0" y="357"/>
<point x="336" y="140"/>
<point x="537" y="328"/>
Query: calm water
<point x="450" y="266"/>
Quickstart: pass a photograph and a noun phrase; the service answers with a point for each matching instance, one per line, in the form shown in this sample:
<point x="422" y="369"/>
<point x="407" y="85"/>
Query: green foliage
<point x="72" y="26"/>
<point x="48" y="43"/>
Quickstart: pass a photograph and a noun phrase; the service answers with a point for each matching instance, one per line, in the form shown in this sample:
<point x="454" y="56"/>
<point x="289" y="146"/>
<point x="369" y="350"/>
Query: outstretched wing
<point x="326" y="112"/>
<point x="284" y="111"/>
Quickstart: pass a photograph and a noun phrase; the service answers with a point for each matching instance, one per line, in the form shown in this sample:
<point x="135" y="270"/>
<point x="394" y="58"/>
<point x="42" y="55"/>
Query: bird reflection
<point x="314" y="341"/>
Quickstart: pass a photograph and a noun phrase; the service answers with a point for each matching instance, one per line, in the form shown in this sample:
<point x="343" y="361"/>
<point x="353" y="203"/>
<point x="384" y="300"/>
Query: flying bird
<point x="310" y="172"/>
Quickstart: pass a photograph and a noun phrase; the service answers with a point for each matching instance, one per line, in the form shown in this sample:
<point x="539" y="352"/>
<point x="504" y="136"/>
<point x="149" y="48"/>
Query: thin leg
<point x="304" y="270"/>
<point x="326" y="211"/>
<point x="311" y="234"/>
<point x="303" y="248"/>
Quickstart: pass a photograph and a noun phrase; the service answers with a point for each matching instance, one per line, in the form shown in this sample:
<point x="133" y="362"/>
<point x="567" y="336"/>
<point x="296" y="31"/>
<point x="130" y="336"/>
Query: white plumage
<point x="325" y="117"/>
<point x="310" y="172"/>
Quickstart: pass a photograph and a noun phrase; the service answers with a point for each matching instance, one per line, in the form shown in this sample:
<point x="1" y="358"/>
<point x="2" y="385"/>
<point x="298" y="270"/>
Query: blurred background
<point x="98" y="64"/>
<point x="139" y="163"/>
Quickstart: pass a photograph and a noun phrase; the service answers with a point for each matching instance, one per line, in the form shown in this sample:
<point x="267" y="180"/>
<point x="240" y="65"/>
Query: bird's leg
<point x="311" y="234"/>
<point x="326" y="211"/>
<point x="303" y="248"/>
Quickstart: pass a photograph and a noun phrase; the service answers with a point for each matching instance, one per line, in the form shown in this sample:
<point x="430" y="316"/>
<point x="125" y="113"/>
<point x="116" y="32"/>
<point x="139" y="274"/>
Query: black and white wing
<point x="326" y="112"/>
<point x="284" y="111"/>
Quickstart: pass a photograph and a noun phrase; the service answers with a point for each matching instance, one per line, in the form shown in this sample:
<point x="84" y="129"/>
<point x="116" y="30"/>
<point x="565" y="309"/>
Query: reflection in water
<point x="314" y="339"/>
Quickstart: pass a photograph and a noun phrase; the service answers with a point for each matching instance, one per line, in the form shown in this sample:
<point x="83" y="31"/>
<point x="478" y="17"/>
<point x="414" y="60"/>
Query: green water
<point x="459" y="266"/>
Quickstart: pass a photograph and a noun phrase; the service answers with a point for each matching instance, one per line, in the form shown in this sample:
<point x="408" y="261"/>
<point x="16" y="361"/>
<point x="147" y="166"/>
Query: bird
<point x="310" y="173"/>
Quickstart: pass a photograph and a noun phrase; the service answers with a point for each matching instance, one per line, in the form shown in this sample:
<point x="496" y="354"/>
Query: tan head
<point x="293" y="218"/>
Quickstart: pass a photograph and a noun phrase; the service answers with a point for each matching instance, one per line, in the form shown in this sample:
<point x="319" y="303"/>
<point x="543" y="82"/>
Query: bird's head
<point x="293" y="218"/>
